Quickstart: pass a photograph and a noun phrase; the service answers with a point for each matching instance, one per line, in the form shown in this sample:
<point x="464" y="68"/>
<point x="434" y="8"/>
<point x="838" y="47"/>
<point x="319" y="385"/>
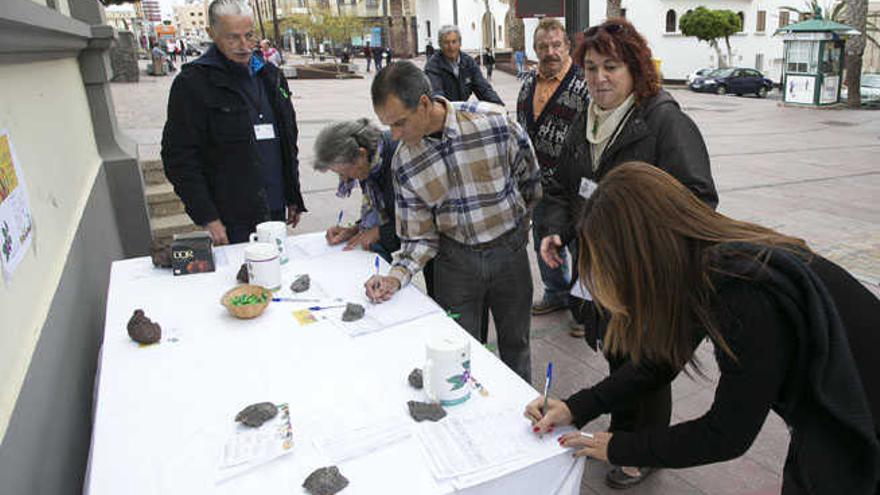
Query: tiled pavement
<point x="811" y="173"/>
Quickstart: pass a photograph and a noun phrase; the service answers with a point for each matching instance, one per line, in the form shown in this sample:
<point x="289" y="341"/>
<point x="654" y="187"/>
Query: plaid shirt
<point x="475" y="183"/>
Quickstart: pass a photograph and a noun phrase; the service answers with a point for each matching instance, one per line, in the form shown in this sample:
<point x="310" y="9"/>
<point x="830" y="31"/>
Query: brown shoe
<point x="544" y="307"/>
<point x="619" y="480"/>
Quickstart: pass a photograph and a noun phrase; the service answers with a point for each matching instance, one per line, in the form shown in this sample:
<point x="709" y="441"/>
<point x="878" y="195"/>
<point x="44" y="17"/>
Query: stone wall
<point x="124" y="58"/>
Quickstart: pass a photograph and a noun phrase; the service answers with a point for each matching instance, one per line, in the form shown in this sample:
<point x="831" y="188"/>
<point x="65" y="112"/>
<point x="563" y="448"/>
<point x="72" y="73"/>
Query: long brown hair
<point x="646" y="256"/>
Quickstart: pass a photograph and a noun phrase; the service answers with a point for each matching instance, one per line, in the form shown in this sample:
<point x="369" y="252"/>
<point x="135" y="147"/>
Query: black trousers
<point x="240" y="232"/>
<point x="650" y="411"/>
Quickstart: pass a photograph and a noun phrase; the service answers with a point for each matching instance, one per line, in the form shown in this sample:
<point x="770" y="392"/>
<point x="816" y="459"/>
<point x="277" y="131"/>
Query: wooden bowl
<point x="246" y="311"/>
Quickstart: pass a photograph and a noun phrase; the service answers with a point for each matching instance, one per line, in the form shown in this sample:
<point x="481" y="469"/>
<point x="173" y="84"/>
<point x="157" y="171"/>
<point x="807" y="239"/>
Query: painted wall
<point x="43" y="106"/>
<point x="46" y="447"/>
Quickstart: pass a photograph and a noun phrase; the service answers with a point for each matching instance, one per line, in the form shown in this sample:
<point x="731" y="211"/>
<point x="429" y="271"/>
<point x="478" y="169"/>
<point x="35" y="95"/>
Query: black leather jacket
<point x="657" y="132"/>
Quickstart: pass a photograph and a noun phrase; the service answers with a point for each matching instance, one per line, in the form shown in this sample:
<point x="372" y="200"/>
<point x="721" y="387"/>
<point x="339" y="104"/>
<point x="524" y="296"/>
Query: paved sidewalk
<point x="809" y="173"/>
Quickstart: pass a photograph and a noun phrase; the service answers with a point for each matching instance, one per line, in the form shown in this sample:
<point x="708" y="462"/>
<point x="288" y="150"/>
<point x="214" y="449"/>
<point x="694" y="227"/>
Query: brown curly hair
<point x="618" y="38"/>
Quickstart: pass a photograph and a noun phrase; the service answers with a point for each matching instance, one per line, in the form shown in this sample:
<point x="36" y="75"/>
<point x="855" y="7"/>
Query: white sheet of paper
<point x="249" y="447"/>
<point x="580" y="291"/>
<point x="312" y="245"/>
<point x="348" y="444"/>
<point x="16" y="222"/>
<point x="458" y="446"/>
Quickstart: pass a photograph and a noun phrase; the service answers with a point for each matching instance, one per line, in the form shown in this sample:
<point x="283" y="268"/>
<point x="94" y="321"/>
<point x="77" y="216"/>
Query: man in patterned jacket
<point x="465" y="181"/>
<point x="548" y="102"/>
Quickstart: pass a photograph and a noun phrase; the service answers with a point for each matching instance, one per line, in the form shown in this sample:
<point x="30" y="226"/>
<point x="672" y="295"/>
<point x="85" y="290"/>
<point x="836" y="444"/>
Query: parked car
<point x="869" y="88"/>
<point x="699" y="73"/>
<point x="735" y="80"/>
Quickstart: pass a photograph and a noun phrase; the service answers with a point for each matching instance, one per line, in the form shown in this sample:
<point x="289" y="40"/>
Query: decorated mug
<point x="448" y="369"/>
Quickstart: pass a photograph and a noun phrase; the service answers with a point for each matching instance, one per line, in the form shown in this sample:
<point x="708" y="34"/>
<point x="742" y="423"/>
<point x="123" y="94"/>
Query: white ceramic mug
<point x="447" y="369"/>
<point x="263" y="265"/>
<point x="273" y="233"/>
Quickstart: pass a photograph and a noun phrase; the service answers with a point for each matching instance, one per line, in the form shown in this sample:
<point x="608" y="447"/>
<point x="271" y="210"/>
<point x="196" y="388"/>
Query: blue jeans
<point x="556" y="281"/>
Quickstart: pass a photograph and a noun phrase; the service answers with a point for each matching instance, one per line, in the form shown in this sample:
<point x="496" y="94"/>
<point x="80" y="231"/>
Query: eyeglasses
<point x="609" y="28"/>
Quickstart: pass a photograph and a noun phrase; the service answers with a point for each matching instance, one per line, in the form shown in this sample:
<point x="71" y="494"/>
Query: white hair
<point x="444" y="30"/>
<point x="220" y="8"/>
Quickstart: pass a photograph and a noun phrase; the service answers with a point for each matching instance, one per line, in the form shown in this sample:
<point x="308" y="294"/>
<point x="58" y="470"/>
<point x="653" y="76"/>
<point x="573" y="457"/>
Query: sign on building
<point x="540" y="8"/>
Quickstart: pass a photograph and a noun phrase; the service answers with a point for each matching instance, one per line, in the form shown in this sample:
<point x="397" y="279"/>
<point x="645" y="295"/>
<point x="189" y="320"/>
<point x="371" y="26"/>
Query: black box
<point x="192" y="253"/>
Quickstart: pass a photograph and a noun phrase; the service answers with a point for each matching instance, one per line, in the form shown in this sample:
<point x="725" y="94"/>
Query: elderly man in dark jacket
<point x="229" y="144"/>
<point x="455" y="75"/>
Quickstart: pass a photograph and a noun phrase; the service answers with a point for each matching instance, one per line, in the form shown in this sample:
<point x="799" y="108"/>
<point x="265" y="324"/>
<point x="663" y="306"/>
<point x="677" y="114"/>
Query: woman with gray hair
<point x="361" y="154"/>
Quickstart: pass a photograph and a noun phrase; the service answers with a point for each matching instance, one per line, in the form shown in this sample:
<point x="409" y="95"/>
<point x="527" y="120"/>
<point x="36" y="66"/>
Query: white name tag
<point x="587" y="188"/>
<point x="264" y="131"/>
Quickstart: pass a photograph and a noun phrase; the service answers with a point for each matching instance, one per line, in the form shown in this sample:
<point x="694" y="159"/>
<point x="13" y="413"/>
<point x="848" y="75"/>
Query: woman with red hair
<point x="628" y="117"/>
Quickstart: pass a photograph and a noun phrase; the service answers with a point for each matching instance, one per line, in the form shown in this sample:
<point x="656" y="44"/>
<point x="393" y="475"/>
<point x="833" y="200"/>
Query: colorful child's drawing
<point x="8" y="179"/>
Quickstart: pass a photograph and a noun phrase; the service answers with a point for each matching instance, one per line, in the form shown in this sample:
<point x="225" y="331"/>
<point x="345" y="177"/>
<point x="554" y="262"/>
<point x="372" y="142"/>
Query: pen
<point x="293" y="299"/>
<point x="547" y="382"/>
<point x="376" y="264"/>
<point x="339" y="219"/>
<point x="319" y="308"/>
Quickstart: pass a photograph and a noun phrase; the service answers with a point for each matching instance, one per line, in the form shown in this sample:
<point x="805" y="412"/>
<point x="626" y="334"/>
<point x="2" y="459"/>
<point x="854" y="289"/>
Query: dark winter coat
<point x="657" y="132"/>
<point x="209" y="150"/>
<point x="470" y="80"/>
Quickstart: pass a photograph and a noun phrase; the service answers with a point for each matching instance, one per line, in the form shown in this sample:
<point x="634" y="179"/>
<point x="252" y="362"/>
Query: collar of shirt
<point x="450" y="125"/>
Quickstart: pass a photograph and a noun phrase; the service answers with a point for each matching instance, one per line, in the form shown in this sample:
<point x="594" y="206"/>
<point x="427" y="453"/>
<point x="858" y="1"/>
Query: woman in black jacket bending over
<point x="792" y="332"/>
<point x="628" y="117"/>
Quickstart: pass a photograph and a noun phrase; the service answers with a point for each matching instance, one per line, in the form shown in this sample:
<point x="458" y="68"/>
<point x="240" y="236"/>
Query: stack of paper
<point x="459" y="446"/>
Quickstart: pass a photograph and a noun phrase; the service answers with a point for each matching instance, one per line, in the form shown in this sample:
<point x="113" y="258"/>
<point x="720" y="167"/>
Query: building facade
<point x="679" y="55"/>
<point x="481" y="22"/>
<point x="191" y="19"/>
<point x="152" y="11"/>
<point x="122" y="17"/>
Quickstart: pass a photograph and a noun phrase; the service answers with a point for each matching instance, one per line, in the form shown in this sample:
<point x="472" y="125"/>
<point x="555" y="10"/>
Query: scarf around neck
<point x="603" y="126"/>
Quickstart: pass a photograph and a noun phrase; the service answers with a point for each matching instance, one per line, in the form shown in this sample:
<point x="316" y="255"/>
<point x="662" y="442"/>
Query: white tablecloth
<point x="162" y="412"/>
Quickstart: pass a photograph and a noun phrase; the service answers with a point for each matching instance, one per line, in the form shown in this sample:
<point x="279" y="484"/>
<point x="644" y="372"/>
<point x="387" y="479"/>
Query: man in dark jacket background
<point x="455" y="75"/>
<point x="229" y="144"/>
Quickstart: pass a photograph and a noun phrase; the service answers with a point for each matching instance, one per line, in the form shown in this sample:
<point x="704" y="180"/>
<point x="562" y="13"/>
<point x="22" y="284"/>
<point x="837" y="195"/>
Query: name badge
<point x="587" y="188"/>
<point x="264" y="131"/>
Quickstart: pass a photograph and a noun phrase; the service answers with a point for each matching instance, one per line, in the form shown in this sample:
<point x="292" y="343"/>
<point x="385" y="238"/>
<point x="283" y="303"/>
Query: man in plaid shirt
<point x="465" y="180"/>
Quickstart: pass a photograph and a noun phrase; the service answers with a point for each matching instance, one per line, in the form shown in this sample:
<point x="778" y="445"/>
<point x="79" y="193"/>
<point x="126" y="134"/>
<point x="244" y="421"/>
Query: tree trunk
<point x="714" y="45"/>
<point x="729" y="51"/>
<point x="857" y="16"/>
<point x="612" y="8"/>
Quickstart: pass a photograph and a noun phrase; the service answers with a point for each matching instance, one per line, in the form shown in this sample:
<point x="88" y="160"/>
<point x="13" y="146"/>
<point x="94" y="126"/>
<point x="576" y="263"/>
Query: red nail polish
<point x="535" y="429"/>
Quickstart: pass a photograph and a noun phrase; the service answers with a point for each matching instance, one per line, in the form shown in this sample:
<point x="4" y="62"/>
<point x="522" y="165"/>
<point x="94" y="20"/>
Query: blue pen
<point x="376" y="264"/>
<point x="293" y="299"/>
<point x="339" y="219"/>
<point x="547" y="383"/>
<point x="319" y="308"/>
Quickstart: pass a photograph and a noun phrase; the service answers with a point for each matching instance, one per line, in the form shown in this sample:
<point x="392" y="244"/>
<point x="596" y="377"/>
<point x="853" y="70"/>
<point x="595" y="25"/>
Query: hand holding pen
<point x="544" y="412"/>
<point x="380" y="289"/>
